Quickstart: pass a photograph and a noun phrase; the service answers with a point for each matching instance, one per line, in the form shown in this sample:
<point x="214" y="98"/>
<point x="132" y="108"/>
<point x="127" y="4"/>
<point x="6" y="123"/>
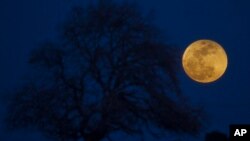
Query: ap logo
<point x="239" y="133"/>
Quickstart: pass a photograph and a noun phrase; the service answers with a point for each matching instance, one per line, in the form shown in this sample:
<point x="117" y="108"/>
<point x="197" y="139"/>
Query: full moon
<point x="204" y="61"/>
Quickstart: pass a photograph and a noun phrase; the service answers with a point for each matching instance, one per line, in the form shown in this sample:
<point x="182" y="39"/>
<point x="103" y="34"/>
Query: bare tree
<point x="111" y="71"/>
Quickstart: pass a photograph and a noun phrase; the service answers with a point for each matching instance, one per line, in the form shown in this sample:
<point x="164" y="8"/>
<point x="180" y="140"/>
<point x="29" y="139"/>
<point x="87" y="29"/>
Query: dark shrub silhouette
<point x="216" y="136"/>
<point x="112" y="71"/>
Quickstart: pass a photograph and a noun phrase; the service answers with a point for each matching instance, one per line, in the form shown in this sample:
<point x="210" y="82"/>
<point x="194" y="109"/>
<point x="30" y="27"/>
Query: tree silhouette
<point x="110" y="72"/>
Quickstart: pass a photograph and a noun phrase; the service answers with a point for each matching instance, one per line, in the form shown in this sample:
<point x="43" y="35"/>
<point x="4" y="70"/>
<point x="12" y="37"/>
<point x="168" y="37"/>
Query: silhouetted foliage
<point x="112" y="71"/>
<point x="216" y="136"/>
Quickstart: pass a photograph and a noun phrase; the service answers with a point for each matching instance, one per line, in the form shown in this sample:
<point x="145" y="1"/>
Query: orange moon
<point x="204" y="61"/>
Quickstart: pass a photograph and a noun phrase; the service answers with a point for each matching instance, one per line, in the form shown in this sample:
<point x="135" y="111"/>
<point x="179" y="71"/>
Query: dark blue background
<point x="24" y="24"/>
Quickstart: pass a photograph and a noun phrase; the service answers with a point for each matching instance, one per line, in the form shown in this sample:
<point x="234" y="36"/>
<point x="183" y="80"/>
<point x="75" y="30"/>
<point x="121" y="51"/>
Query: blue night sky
<point x="24" y="24"/>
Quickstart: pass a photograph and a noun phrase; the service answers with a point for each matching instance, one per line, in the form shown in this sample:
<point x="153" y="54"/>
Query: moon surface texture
<point x="204" y="61"/>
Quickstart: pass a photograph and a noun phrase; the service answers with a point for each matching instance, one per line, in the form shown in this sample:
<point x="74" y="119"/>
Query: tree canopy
<point x="111" y="71"/>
